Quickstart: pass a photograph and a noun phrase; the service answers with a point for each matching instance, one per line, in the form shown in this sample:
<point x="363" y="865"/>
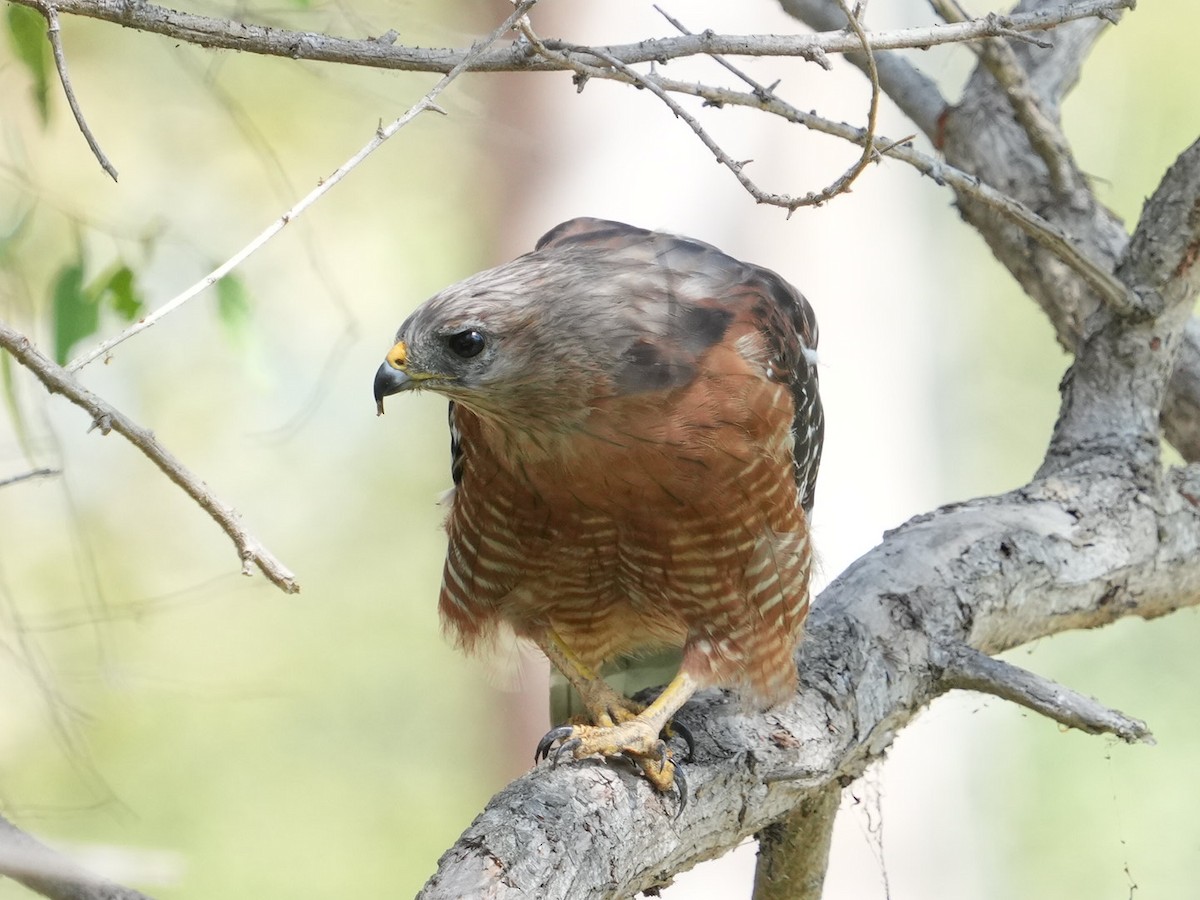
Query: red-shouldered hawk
<point x="635" y="434"/>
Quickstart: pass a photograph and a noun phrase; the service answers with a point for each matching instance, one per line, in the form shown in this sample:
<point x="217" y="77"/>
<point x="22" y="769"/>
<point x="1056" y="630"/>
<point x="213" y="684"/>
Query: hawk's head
<point x="598" y="310"/>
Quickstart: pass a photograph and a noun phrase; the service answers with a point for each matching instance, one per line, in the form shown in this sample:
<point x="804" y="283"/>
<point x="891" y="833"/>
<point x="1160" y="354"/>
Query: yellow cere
<point x="398" y="356"/>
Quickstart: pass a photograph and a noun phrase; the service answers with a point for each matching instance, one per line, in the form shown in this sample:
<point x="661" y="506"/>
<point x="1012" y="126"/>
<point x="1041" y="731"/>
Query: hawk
<point x="635" y="434"/>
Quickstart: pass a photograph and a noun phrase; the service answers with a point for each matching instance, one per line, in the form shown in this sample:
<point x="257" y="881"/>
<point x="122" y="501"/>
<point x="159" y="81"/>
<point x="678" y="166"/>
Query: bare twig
<point x="58" y="380"/>
<point x="654" y="84"/>
<point x="843" y="182"/>
<point x="219" y="33"/>
<point x="968" y="669"/>
<point x="31" y="863"/>
<point x="1044" y="232"/>
<point x="53" y="32"/>
<point x="382" y="134"/>
<point x="28" y="476"/>
<point x="1045" y="136"/>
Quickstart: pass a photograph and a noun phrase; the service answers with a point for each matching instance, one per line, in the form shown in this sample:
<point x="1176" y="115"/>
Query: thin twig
<point x="1045" y="136"/>
<point x="965" y="668"/>
<point x="45" y="871"/>
<point x="843" y="182"/>
<point x="381" y="135"/>
<point x="28" y="476"/>
<point x="58" y="380"/>
<point x="53" y="32"/>
<point x="219" y="33"/>
<point x="1042" y="231"/>
<point x="652" y="83"/>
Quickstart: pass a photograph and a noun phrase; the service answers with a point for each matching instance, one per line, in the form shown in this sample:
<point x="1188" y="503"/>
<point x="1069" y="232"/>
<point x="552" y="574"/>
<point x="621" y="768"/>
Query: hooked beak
<point x="392" y="376"/>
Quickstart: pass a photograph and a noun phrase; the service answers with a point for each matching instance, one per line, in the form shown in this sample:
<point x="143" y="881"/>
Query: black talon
<point x="547" y="741"/>
<point x="686" y="733"/>
<point x="682" y="787"/>
<point x="664" y="755"/>
<point x="565" y="747"/>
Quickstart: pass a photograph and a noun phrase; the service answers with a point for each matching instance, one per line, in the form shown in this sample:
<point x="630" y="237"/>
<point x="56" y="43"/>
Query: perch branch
<point x="382" y="134"/>
<point x="991" y="573"/>
<point x="42" y="870"/>
<point x="212" y="32"/>
<point x="58" y="380"/>
<point x="54" y="34"/>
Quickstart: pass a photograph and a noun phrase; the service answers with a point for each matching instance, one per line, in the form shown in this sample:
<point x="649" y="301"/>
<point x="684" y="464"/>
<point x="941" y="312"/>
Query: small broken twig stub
<point x="967" y="669"/>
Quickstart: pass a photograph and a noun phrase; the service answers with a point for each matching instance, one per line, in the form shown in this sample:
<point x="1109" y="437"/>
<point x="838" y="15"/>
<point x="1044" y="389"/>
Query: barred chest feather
<point x="661" y="521"/>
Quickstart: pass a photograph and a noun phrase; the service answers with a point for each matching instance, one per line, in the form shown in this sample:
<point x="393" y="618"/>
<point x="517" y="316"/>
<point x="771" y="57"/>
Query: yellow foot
<point x="634" y="738"/>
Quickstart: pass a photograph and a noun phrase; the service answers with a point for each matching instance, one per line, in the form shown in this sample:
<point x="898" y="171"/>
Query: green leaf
<point x="27" y="34"/>
<point x="76" y="313"/>
<point x="116" y="287"/>
<point x="233" y="308"/>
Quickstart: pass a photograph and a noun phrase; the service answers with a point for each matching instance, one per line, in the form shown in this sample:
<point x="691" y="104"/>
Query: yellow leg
<point x="636" y="737"/>
<point x="605" y="706"/>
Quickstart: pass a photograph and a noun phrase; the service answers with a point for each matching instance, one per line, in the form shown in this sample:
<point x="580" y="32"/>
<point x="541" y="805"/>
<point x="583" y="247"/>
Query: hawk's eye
<point x="465" y="343"/>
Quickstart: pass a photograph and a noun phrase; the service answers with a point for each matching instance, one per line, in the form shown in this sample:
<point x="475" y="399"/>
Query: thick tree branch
<point x="107" y="418"/>
<point x="382" y="52"/>
<point x="1058" y="554"/>
<point x="793" y="854"/>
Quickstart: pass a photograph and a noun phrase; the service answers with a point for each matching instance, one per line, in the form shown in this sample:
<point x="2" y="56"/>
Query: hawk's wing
<point x="782" y="315"/>
<point x="700" y="291"/>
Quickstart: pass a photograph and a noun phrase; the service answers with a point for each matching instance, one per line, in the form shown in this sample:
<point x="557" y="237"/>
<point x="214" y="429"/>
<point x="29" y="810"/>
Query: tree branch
<point x="381" y="52"/>
<point x="793" y="854"/>
<point x="29" y="476"/>
<point x="1098" y="536"/>
<point x="31" y="863"/>
<point x="1044" y="135"/>
<point x="970" y="670"/>
<point x="107" y="418"/>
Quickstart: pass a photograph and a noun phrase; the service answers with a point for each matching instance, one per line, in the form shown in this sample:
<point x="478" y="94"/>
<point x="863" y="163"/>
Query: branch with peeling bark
<point x="981" y="137"/>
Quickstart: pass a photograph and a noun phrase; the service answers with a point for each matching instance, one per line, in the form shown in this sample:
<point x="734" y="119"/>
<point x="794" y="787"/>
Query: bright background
<point x="203" y="735"/>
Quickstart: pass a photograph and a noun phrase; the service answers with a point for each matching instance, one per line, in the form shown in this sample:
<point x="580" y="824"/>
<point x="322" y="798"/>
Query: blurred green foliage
<point x="27" y="37"/>
<point x="76" y="307"/>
